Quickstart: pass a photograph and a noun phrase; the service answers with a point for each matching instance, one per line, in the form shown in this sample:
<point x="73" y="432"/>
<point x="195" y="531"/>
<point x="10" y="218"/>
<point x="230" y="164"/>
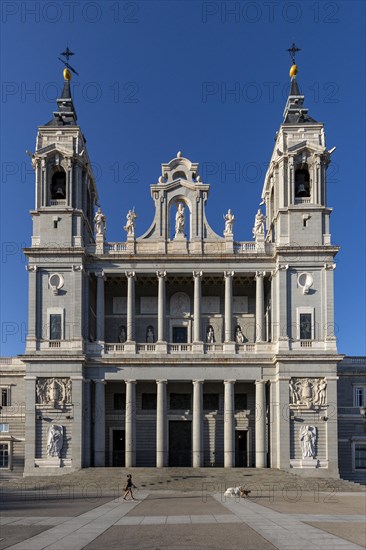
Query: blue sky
<point x="155" y="78"/>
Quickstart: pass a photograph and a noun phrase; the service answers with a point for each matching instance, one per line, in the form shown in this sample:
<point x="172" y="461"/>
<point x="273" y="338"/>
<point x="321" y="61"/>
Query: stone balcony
<point x="190" y="247"/>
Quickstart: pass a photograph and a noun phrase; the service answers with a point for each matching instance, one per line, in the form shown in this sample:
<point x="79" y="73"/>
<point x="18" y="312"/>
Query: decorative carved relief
<point x="55" y="440"/>
<point x="180" y="305"/>
<point x="305" y="282"/>
<point x="308" y="391"/>
<point x="307" y="440"/>
<point x="53" y="391"/>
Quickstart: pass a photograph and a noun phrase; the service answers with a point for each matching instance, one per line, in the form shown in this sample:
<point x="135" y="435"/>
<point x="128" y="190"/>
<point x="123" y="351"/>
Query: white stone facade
<point x="181" y="346"/>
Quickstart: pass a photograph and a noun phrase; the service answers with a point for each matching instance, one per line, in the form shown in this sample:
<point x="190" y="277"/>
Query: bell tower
<point x="295" y="190"/>
<point x="66" y="192"/>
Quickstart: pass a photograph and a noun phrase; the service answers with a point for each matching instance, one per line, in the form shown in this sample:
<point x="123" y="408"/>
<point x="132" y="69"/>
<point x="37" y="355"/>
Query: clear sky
<point x="207" y="78"/>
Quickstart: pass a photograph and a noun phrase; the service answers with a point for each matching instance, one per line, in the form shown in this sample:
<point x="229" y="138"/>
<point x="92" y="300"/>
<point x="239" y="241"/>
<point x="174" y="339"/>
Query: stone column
<point x="130" y="426"/>
<point x="99" y="423"/>
<point x="260" y="424"/>
<point x="229" y="409"/>
<point x="30" y="423"/>
<point x="197" y="276"/>
<point x="77" y="422"/>
<point x="197" y="424"/>
<point x="100" y="306"/>
<point x="228" y="305"/>
<point x="259" y="306"/>
<point x="161" y="305"/>
<point x="131" y="275"/>
<point x="161" y="424"/>
<point x="32" y="308"/>
<point x="86" y="424"/>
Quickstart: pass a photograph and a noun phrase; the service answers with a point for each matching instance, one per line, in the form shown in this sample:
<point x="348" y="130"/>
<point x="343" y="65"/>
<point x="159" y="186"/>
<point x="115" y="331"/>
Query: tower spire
<point x="295" y="112"/>
<point x="66" y="113"/>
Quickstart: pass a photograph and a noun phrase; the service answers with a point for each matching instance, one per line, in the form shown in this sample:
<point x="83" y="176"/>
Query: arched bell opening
<point x="302" y="182"/>
<point x="179" y="220"/>
<point x="58" y="185"/>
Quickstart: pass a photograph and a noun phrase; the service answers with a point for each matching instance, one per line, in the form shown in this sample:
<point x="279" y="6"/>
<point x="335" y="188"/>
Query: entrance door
<point x="118" y="448"/>
<point x="180" y="335"/>
<point x="180" y="443"/>
<point x="241" y="448"/>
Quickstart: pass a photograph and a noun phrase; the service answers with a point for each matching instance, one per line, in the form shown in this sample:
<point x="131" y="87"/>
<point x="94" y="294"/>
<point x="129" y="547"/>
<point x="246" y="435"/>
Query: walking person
<point x="129" y="486"/>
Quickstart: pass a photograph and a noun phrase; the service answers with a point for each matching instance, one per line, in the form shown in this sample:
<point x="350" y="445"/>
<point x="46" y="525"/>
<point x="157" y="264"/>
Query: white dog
<point x="236" y="492"/>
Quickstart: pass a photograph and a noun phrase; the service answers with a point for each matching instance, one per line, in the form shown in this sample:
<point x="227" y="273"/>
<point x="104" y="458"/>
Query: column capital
<point x="161" y="381"/>
<point x="197" y="381"/>
<point x="99" y="273"/>
<point x="31" y="268"/>
<point x="99" y="381"/>
<point x="197" y="274"/>
<point x="260" y="274"/>
<point x="229" y="274"/>
<point x="131" y="381"/>
<point x="130" y="274"/>
<point x="161" y="274"/>
<point x="229" y="381"/>
<point x="261" y="381"/>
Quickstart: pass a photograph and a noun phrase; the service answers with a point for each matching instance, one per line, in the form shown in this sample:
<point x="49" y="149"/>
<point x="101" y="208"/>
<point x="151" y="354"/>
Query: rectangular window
<point x="4" y="427"/>
<point x="359" y="397"/>
<point x="180" y="335"/>
<point x="4" y="455"/>
<point x="5" y="397"/>
<point x="55" y="326"/>
<point x="180" y="401"/>
<point x="360" y="456"/>
<point x="148" y="401"/>
<point x="210" y="401"/>
<point x="305" y="326"/>
<point x="240" y="400"/>
<point x="119" y="401"/>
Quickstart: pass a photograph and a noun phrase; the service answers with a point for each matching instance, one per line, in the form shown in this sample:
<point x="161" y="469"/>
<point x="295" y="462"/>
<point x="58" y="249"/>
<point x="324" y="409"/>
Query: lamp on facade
<point x="363" y="412"/>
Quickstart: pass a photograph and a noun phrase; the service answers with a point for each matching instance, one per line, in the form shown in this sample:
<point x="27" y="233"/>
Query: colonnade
<point x="197" y="310"/>
<point x="162" y="455"/>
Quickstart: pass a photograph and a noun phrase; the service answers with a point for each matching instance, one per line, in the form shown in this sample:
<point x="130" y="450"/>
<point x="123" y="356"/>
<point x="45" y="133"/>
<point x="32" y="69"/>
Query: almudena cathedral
<point x="180" y="346"/>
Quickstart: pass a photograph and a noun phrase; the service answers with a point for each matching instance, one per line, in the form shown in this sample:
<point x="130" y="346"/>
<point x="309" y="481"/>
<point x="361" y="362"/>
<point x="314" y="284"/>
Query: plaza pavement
<point x="284" y="511"/>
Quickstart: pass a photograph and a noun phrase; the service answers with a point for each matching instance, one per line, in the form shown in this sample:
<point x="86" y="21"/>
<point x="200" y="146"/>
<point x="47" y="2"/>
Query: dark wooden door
<point x="180" y="443"/>
<point x="241" y="448"/>
<point x="119" y="447"/>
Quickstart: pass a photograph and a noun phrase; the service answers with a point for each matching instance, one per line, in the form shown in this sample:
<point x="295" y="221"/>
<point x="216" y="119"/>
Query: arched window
<point x="58" y="185"/>
<point x="302" y="183"/>
<point x="179" y="174"/>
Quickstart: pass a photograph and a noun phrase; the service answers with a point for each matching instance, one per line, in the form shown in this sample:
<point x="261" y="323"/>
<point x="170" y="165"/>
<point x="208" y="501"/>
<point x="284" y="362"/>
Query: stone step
<point x="183" y="479"/>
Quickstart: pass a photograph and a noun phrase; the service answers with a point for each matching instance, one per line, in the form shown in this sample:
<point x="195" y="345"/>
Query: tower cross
<point x="292" y="51"/>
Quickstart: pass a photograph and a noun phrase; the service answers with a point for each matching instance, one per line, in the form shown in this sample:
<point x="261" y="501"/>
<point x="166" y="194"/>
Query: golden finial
<point x="67" y="74"/>
<point x="292" y="51"/>
<point x="293" y="71"/>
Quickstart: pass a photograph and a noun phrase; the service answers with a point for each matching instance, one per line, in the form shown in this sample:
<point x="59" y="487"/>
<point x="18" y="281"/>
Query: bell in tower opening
<point x="302" y="183"/>
<point x="58" y="186"/>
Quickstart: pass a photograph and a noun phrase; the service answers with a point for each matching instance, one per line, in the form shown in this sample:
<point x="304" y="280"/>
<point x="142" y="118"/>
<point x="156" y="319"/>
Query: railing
<point x="306" y="344"/>
<point x="141" y="247"/>
<point x="54" y="344"/>
<point x="303" y="200"/>
<point x="244" y="347"/>
<point x="245" y="247"/>
<point x="213" y="348"/>
<point x="145" y="348"/>
<point x="112" y="348"/>
<point x="115" y="247"/>
<point x="58" y="202"/>
<point x="177" y="348"/>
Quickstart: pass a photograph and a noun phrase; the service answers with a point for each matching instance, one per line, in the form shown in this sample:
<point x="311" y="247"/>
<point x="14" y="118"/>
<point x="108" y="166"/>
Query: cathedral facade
<point x="178" y="347"/>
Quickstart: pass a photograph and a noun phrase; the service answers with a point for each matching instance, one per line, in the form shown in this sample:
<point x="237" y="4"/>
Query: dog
<point x="236" y="492"/>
